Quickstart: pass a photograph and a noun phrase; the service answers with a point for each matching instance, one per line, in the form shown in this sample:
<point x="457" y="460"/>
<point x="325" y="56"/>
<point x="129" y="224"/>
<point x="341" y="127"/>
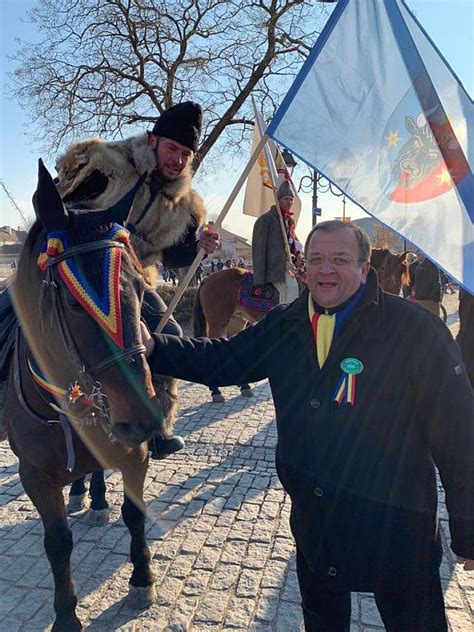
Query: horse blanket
<point x="262" y="297"/>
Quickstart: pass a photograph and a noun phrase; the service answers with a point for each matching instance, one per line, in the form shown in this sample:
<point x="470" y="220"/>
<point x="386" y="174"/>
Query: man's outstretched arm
<point x="218" y="361"/>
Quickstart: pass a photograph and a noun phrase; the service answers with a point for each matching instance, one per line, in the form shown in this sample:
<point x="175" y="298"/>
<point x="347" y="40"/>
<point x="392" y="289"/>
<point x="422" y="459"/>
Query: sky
<point x="450" y="25"/>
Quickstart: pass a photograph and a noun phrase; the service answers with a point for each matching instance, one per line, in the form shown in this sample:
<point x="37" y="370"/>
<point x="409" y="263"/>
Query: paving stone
<point x="459" y="620"/>
<point x="370" y="613"/>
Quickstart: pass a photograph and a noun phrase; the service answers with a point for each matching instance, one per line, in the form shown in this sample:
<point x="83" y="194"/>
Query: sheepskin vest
<point x="163" y="212"/>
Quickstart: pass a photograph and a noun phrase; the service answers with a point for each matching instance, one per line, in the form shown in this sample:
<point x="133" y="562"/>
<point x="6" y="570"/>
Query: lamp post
<point x="289" y="160"/>
<point x="315" y="183"/>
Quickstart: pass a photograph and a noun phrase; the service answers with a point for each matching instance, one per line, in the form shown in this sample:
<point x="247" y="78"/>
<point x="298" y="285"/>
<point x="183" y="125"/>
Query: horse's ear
<point x="47" y="202"/>
<point x="120" y="211"/>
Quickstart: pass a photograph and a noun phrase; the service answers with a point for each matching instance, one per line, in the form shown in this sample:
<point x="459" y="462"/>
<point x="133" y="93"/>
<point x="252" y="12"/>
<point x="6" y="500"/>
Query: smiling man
<point x="166" y="212"/>
<point x="370" y="393"/>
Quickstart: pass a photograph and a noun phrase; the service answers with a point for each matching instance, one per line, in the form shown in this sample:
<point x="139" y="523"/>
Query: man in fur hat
<point x="269" y="253"/>
<point x="166" y="213"/>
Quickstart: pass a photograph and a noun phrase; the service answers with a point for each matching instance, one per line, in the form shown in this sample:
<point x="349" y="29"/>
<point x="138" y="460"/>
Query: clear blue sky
<point x="450" y="23"/>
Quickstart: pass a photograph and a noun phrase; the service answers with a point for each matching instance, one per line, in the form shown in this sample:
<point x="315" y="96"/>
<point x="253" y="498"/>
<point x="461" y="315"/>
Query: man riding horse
<point x="269" y="252"/>
<point x="166" y="213"/>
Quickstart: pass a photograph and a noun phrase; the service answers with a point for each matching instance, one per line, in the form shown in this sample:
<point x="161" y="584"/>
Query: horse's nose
<point x="131" y="434"/>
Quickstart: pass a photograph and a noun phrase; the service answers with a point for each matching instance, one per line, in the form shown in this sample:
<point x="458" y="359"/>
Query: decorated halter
<point x="104" y="308"/>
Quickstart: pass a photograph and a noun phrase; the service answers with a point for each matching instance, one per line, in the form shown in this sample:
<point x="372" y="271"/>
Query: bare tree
<point x="108" y="66"/>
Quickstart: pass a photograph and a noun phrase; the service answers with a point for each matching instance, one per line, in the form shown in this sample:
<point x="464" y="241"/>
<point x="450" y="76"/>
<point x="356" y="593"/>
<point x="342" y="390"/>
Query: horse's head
<point x="389" y="267"/>
<point x="78" y="293"/>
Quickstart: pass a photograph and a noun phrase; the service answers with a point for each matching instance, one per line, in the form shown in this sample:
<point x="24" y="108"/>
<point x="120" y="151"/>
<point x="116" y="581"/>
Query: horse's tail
<point x="199" y="318"/>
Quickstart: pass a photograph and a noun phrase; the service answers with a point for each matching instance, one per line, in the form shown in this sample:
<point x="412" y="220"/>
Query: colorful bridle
<point x="106" y="310"/>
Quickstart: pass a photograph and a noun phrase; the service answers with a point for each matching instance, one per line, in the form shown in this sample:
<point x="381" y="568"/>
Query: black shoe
<point x="160" y="447"/>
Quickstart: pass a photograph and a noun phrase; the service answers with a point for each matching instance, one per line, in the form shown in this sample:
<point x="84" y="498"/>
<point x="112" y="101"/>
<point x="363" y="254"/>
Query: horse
<point x="218" y="312"/>
<point x="78" y="292"/>
<point x="390" y="268"/>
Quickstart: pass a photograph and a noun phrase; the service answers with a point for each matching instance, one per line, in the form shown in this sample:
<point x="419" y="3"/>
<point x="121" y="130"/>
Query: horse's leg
<point x="216" y="395"/>
<point x="236" y="324"/>
<point x="99" y="512"/>
<point x="48" y="499"/>
<point x="142" y="592"/>
<point x="77" y="496"/>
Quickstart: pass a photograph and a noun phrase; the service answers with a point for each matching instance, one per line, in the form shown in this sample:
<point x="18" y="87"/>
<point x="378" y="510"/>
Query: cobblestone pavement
<point x="218" y="529"/>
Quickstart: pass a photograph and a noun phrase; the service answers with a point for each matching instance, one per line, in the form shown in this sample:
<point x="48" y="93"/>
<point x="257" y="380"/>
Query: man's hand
<point x="209" y="242"/>
<point x="290" y="269"/>
<point x="468" y="564"/>
<point x="147" y="340"/>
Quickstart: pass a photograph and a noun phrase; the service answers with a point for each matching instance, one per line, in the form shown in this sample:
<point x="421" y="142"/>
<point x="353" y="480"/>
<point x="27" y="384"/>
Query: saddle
<point x="261" y="298"/>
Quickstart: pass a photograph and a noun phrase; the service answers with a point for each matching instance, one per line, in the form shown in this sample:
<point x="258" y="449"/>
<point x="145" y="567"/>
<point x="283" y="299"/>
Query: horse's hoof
<point x="141" y="597"/>
<point x="246" y="392"/>
<point x="97" y="517"/>
<point x="67" y="623"/>
<point x="218" y="398"/>
<point x="77" y="502"/>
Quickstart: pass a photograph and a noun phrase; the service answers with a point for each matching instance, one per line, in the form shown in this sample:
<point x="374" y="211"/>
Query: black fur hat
<point x="181" y="123"/>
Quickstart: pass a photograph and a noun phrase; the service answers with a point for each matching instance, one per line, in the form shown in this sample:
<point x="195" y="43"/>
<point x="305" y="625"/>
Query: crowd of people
<point x="362" y="420"/>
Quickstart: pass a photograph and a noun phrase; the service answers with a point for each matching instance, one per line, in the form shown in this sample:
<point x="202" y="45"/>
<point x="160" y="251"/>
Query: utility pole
<point x="12" y="200"/>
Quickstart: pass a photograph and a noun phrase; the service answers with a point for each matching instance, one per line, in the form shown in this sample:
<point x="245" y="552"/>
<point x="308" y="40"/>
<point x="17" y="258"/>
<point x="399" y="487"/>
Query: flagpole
<point x="273" y="176"/>
<point x="217" y="224"/>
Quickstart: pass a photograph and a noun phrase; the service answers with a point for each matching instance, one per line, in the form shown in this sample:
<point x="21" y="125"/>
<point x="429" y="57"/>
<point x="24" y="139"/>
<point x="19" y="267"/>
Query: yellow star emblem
<point x="444" y="177"/>
<point x="393" y="138"/>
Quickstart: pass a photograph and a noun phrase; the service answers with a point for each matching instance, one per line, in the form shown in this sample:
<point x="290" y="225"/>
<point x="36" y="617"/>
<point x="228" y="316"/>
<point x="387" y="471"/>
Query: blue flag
<point x="377" y="110"/>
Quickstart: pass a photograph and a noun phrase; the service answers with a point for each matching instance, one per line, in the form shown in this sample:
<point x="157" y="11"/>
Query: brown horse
<point x="107" y="408"/>
<point x="390" y="268"/>
<point x="217" y="311"/>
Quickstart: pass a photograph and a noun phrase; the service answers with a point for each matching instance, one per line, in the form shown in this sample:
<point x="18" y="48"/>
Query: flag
<point x="377" y="110"/>
<point x="259" y="196"/>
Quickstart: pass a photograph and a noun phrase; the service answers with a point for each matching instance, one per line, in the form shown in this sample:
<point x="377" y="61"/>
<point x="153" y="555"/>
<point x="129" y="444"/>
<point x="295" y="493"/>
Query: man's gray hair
<point x="363" y="240"/>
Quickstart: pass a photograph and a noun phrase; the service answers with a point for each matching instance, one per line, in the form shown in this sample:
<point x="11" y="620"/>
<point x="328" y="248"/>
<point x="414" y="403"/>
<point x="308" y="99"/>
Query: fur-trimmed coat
<point x="165" y="215"/>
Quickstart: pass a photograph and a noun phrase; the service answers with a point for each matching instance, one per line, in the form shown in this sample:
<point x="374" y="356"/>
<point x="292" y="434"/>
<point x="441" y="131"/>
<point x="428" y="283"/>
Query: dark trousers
<point x="412" y="610"/>
<point x="153" y="309"/>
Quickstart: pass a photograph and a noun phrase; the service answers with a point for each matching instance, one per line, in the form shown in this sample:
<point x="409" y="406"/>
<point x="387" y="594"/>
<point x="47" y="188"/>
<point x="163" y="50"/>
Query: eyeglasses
<point x="337" y="261"/>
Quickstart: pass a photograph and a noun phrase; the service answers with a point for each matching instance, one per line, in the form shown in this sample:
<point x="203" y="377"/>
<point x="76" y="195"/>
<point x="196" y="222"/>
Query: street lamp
<point x="313" y="182"/>
<point x="289" y="160"/>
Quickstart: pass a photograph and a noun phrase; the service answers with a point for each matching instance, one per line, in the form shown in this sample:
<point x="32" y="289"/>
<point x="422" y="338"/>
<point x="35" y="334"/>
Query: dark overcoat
<point x="361" y="477"/>
<point x="465" y="337"/>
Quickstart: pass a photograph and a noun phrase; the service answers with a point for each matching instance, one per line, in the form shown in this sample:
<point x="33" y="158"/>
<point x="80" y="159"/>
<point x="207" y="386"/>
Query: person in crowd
<point x="166" y="213"/>
<point x="427" y="284"/>
<point x="269" y="253"/>
<point x="219" y="264"/>
<point x="241" y="263"/>
<point x="446" y="283"/>
<point x="362" y="422"/>
<point x="408" y="277"/>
